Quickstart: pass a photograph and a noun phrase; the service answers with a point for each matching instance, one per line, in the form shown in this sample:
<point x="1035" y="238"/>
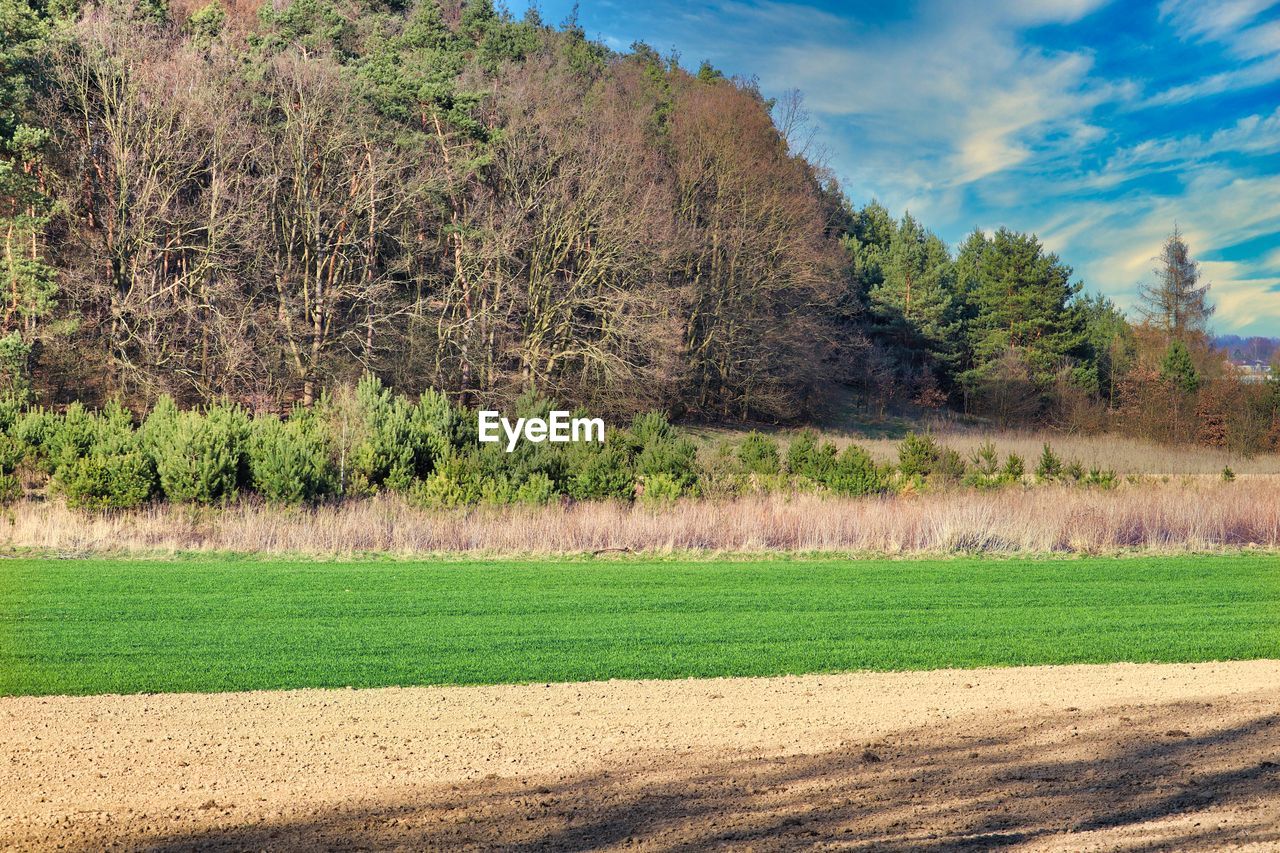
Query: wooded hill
<point x="258" y="205"/>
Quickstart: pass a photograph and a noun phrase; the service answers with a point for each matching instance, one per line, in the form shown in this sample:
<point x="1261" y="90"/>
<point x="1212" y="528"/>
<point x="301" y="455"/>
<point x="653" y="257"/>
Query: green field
<point x="118" y="626"/>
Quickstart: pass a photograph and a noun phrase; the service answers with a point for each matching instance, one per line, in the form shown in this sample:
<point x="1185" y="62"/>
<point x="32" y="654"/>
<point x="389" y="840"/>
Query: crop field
<point x="223" y="624"/>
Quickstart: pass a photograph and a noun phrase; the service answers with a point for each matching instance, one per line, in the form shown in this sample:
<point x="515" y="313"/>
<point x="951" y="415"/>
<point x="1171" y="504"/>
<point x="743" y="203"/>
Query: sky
<point x="1096" y="125"/>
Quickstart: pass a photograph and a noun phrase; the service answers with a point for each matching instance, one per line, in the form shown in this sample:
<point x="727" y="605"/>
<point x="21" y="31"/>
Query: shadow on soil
<point x="931" y="790"/>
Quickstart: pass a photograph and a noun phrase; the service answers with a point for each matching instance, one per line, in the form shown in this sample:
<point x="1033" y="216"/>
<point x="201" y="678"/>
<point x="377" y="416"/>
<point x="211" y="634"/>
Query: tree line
<point x="215" y="204"/>
<point x="367" y="440"/>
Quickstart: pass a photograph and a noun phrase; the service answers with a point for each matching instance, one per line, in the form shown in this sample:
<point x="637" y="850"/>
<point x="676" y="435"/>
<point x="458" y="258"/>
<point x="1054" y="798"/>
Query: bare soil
<point x="1131" y="757"/>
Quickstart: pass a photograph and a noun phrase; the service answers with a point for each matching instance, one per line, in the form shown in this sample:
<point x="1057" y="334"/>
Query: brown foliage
<point x="618" y="235"/>
<point x="755" y="260"/>
<point x="1192" y="515"/>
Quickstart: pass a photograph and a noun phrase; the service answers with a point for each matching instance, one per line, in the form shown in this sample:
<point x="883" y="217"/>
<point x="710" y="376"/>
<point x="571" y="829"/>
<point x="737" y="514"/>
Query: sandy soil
<point x="1066" y="758"/>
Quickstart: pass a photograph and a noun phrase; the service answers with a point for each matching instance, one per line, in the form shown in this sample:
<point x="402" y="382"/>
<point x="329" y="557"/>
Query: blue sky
<point x="1095" y="124"/>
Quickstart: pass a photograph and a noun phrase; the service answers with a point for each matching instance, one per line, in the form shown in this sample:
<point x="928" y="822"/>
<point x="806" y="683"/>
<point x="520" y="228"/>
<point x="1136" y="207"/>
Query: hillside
<point x="261" y="204"/>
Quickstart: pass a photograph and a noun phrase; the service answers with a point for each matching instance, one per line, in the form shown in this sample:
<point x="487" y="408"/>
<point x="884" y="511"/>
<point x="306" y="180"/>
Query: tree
<point x="913" y="302"/>
<point x="1179" y="375"/>
<point x="1111" y="343"/>
<point x="580" y="225"/>
<point x="337" y="198"/>
<point x="1178" y="370"/>
<point x="146" y="146"/>
<point x="450" y="197"/>
<point x="1176" y="302"/>
<point x="27" y="282"/>
<point x="754" y="259"/>
<point x="1022" y="300"/>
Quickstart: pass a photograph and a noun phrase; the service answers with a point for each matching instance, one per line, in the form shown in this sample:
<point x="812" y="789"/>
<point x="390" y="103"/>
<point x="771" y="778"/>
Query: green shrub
<point x="984" y="471"/>
<point x="1050" y="466"/>
<point x="986" y="461"/>
<point x="918" y="456"/>
<point x="1102" y="478"/>
<point x="55" y="442"/>
<point x="104" y="481"/>
<point x="10" y="488"/>
<point x="799" y="452"/>
<point x="650" y="428"/>
<point x="856" y="473"/>
<point x="758" y="454"/>
<point x="199" y="457"/>
<point x="385" y="455"/>
<point x="437" y="427"/>
<point x="663" y="452"/>
<point x="158" y="424"/>
<point x="674" y="459"/>
<point x="660" y="489"/>
<point x="206" y="23"/>
<point x="439" y="491"/>
<point x="949" y="469"/>
<point x="600" y="473"/>
<point x="114" y="432"/>
<point x="67" y="438"/>
<point x="11" y="408"/>
<point x="463" y="479"/>
<point x="537" y="490"/>
<point x="384" y="441"/>
<point x="34" y="430"/>
<point x="12" y="453"/>
<point x="289" y="461"/>
<point x="806" y="458"/>
<point x="1227" y="474"/>
<point x="1014" y="468"/>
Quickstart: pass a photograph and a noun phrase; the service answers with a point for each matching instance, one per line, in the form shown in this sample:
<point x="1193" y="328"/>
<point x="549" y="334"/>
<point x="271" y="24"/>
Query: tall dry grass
<point x="1122" y="455"/>
<point x="1119" y="453"/>
<point x="1189" y="515"/>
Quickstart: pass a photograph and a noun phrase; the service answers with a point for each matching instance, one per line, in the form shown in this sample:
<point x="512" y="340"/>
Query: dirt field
<point x="1070" y="758"/>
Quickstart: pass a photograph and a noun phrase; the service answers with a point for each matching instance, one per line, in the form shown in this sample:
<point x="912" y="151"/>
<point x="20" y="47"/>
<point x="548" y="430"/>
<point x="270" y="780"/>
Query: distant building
<point x="1253" y="371"/>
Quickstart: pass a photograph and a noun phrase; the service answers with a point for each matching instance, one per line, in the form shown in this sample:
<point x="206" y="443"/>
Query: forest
<point x="256" y="206"/>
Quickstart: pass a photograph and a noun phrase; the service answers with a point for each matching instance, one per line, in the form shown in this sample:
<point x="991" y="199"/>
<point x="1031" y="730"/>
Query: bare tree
<point x="758" y="265"/>
<point x="581" y="220"/>
<point x="156" y="194"/>
<point x="335" y="197"/>
<point x="1176" y="302"/>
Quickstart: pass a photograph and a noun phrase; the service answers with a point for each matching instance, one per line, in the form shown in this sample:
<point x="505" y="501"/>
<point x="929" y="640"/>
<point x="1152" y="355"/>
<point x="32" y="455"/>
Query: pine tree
<point x="968" y="266"/>
<point x="1112" y="348"/>
<point x="1023" y="301"/>
<point x="1176" y="302"/>
<point x="27" y="282"/>
<point x="913" y="303"/>
<point x="1178" y="369"/>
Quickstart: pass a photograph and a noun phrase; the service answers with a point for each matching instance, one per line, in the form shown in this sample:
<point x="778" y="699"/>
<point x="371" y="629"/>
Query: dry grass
<point x="1182" y="516"/>
<point x="1120" y="454"/>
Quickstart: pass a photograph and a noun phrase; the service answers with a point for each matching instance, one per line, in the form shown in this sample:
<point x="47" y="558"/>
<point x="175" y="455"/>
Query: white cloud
<point x="1216" y="20"/>
<point x="947" y="98"/>
<point x="1253" y="135"/>
<point x="1249" y="76"/>
<point x="1234" y="24"/>
<point x="1216" y="211"/>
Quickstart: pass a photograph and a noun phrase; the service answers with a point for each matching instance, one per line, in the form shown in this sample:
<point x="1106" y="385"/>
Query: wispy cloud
<point x="1259" y="73"/>
<point x="1218" y="210"/>
<point x="1096" y="124"/>
<point x="1238" y="25"/>
<point x="1218" y="20"/>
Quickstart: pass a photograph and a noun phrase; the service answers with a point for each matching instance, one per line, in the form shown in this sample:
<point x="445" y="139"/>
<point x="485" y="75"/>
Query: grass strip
<point x="121" y="626"/>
